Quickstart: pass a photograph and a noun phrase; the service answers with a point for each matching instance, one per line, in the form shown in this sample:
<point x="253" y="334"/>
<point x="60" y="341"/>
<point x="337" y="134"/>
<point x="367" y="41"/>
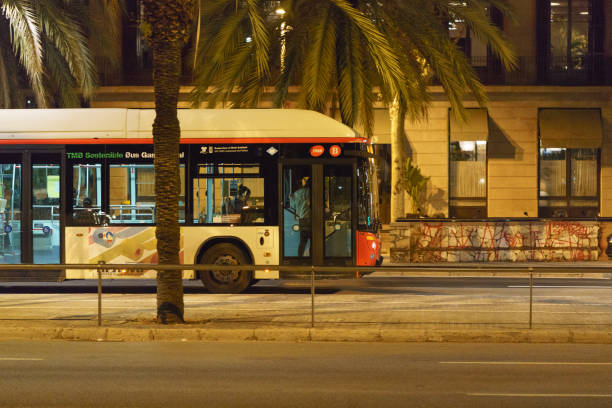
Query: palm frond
<point x="103" y="31"/>
<point x="475" y="16"/>
<point x="260" y="37"/>
<point x="67" y="37"/>
<point x="384" y="57"/>
<point x="63" y="83"/>
<point x="320" y="61"/>
<point x="26" y="37"/>
<point x="351" y="78"/>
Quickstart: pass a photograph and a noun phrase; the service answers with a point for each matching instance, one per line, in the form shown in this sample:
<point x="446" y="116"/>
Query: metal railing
<point x="528" y="270"/>
<point x="590" y="70"/>
<point x="132" y="213"/>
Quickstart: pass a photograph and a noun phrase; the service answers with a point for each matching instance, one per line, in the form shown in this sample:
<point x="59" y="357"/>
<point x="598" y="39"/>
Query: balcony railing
<point x="531" y="70"/>
<point x="584" y="71"/>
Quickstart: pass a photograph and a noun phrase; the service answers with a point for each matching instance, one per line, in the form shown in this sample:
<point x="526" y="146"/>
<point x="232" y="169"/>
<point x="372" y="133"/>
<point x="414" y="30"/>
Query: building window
<point x="569" y="34"/>
<point x="569" y="165"/>
<point x="137" y="53"/>
<point x="468" y="179"/>
<point x="569" y="182"/>
<point x="486" y="64"/>
<point x="468" y="164"/>
<point x="570" y="40"/>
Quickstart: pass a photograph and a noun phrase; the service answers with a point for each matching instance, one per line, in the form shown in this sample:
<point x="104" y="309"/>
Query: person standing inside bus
<point x="5" y="205"/>
<point x="301" y="205"/>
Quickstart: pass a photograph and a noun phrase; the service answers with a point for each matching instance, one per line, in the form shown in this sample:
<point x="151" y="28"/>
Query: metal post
<point x="312" y="295"/>
<point x="100" y="293"/>
<point x="530" y="297"/>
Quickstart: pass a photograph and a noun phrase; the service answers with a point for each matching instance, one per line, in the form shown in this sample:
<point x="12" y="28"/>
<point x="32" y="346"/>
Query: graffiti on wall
<point x="529" y="241"/>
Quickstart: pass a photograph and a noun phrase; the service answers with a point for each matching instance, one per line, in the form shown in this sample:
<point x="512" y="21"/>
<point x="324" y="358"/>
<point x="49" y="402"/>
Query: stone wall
<point x="434" y="241"/>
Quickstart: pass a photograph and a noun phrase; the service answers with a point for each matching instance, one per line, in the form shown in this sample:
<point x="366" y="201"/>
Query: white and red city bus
<point x="264" y="187"/>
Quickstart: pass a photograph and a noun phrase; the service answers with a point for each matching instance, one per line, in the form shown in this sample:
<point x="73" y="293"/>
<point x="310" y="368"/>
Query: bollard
<point x="312" y="294"/>
<point x="530" y="297"/>
<point x="100" y="263"/>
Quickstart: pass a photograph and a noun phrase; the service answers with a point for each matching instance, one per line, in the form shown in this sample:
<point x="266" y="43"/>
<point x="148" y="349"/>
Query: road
<point x="501" y="302"/>
<point x="157" y="374"/>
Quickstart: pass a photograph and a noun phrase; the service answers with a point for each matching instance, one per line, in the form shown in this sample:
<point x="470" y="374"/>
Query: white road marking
<point x="487" y="394"/>
<point x="560" y="286"/>
<point x="528" y="362"/>
<point x="20" y="359"/>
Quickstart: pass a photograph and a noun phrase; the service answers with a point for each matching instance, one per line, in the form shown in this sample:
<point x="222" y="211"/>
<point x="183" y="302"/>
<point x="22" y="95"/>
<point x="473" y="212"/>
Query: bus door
<point x="318" y="213"/>
<point x="30" y="207"/>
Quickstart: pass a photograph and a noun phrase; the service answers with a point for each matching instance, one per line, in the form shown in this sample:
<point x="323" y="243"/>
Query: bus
<point x="258" y="186"/>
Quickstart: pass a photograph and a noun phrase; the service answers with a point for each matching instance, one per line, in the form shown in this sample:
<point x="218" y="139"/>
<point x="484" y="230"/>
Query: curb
<point x="292" y="334"/>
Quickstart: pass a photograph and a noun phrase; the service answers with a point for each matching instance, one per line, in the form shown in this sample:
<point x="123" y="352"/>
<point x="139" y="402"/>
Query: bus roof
<point x="76" y="126"/>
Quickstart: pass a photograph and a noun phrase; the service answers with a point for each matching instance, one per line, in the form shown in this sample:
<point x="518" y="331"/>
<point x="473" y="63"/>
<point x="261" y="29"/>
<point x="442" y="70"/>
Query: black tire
<point x="234" y="281"/>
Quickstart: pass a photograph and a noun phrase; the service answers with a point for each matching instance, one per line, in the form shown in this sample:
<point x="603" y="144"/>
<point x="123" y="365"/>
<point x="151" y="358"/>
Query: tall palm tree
<point x="168" y="27"/>
<point x="343" y="53"/>
<point x="47" y="45"/>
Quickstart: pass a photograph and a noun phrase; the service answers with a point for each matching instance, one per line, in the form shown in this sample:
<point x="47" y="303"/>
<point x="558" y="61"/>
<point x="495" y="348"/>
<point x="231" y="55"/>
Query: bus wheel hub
<point x="226" y="276"/>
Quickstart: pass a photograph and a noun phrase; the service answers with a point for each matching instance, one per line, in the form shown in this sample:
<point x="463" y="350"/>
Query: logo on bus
<point x="316" y="151"/>
<point x="335" y="150"/>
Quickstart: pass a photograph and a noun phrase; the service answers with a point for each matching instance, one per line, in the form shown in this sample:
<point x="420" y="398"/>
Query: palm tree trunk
<point x="166" y="139"/>
<point x="397" y="159"/>
<point x="5" y="97"/>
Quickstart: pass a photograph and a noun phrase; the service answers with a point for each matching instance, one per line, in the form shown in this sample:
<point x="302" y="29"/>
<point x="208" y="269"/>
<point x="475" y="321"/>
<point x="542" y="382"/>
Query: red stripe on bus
<point x="228" y="140"/>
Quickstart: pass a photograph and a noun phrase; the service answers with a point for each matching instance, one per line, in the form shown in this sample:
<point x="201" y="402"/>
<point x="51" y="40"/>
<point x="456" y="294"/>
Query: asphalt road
<point x="501" y="302"/>
<point x="75" y="374"/>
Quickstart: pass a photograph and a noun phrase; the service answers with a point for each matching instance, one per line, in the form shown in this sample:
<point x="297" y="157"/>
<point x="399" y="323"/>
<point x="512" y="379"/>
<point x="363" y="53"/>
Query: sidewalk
<point x="359" y="313"/>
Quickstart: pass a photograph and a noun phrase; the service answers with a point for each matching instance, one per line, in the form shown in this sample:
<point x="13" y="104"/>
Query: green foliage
<point x="413" y="182"/>
<point x="52" y="42"/>
<point x="342" y="54"/>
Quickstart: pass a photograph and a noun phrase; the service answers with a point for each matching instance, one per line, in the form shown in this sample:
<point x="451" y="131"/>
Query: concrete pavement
<point x="146" y="331"/>
<point x="361" y="311"/>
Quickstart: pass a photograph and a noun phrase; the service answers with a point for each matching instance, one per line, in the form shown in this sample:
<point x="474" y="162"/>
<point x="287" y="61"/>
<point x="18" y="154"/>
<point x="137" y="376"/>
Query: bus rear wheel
<point x="232" y="281"/>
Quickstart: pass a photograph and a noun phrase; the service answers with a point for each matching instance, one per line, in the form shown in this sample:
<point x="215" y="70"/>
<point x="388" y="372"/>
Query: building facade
<point x="526" y="178"/>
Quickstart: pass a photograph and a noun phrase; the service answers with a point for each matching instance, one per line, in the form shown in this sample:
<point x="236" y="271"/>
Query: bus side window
<point x="228" y="200"/>
<point x="87" y="194"/>
<point x="132" y="193"/>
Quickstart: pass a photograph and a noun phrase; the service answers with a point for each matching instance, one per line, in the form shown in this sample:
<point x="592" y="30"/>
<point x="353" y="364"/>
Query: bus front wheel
<point x="228" y="281"/>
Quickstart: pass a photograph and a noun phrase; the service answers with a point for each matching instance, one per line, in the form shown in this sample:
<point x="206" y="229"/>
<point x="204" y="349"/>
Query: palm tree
<point x="346" y="54"/>
<point x="168" y="28"/>
<point x="56" y="43"/>
<point x="49" y="44"/>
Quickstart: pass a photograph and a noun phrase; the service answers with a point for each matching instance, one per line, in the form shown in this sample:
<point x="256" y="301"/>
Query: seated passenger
<point x="85" y="215"/>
